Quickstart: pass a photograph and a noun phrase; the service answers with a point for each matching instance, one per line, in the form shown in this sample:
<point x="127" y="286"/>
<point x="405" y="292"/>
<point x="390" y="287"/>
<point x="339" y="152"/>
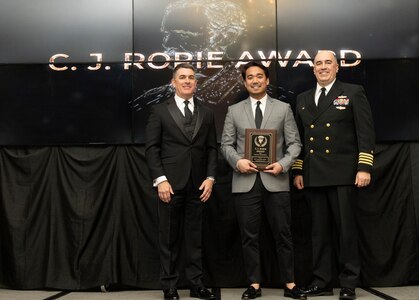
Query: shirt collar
<point x="328" y="87"/>
<point x="262" y="100"/>
<point x="180" y="101"/>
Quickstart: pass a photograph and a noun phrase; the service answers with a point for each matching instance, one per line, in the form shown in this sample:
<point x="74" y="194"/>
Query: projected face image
<point x="201" y="25"/>
<point x="184" y="29"/>
<point x="199" y="28"/>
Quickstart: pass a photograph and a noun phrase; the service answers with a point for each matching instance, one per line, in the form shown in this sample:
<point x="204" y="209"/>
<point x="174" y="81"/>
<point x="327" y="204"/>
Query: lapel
<point x="334" y="92"/>
<point x="176" y="115"/>
<point x="266" y="115"/>
<point x="249" y="113"/>
<point x="310" y="104"/>
<point x="268" y="111"/>
<point x="199" y="118"/>
<point x="316" y="112"/>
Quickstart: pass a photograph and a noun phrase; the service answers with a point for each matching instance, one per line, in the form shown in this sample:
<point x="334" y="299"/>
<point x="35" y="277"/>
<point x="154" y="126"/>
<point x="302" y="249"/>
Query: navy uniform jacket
<point x="338" y="137"/>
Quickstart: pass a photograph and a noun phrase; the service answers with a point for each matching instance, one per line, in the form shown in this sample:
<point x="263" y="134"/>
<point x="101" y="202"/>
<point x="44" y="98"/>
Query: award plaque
<point x="260" y="147"/>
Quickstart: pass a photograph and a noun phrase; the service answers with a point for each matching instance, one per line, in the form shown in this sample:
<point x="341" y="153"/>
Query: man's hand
<point x="165" y="191"/>
<point x="299" y="182"/>
<point x="274" y="169"/>
<point x="245" y="166"/>
<point x="206" y="188"/>
<point x="362" y="179"/>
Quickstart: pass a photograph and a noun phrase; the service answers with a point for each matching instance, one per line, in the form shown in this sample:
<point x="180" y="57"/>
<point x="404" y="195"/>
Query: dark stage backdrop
<point x="80" y="217"/>
<point x="77" y="73"/>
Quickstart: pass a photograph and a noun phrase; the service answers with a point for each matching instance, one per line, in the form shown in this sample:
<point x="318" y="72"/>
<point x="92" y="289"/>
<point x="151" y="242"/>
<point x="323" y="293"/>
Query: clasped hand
<point x="245" y="166"/>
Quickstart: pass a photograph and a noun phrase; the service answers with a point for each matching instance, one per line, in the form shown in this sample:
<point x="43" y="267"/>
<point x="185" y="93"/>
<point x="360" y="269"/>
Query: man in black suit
<point x="181" y="152"/>
<point x="335" y="123"/>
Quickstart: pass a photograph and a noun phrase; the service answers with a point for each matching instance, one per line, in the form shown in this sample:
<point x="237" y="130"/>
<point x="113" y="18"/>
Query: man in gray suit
<point x="267" y="189"/>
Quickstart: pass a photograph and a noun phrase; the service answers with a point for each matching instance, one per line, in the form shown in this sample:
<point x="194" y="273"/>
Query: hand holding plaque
<point x="260" y="147"/>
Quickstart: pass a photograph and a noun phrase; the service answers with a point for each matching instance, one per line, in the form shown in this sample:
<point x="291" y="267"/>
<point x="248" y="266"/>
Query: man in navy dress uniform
<point x="335" y="123"/>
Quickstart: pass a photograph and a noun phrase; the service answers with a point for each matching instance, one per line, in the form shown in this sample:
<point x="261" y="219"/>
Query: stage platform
<point x="390" y="293"/>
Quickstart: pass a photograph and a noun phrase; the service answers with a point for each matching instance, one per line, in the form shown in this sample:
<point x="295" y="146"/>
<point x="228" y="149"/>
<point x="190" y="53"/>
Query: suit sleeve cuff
<point x="211" y="178"/>
<point x="297" y="167"/>
<point x="159" y="180"/>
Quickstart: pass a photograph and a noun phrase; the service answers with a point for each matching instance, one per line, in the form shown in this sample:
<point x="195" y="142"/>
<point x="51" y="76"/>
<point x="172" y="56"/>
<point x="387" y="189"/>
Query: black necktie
<point x="188" y="113"/>
<point x="322" y="97"/>
<point x="258" y="115"/>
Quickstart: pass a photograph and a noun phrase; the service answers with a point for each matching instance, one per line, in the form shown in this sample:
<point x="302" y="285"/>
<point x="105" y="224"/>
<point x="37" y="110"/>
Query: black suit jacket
<point x="338" y="136"/>
<point x="169" y="150"/>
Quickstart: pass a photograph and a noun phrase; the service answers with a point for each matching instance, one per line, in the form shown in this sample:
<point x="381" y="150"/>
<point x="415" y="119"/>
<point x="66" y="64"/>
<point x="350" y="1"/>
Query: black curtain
<point x="79" y="217"/>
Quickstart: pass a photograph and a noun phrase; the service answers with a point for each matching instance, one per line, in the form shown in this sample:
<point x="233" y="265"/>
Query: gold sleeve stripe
<point x="366" y="154"/>
<point x="366" y="158"/>
<point x="366" y="162"/>
<point x="298" y="164"/>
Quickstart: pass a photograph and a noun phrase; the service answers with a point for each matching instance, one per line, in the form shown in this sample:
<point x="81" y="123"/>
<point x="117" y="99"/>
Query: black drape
<point x="79" y="217"/>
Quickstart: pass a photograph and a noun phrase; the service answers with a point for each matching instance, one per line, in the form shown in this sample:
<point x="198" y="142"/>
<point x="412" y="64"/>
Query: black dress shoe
<point x="317" y="291"/>
<point x="171" y="294"/>
<point x="202" y="293"/>
<point x="251" y="293"/>
<point x="294" y="293"/>
<point x="347" y="294"/>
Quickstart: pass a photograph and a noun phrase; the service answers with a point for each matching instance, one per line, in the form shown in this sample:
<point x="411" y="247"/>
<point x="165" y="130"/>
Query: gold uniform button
<point x="328" y="125"/>
<point x="327" y="138"/>
<point x="311" y="138"/>
<point x="327" y="151"/>
<point x="312" y="126"/>
<point x="311" y="151"/>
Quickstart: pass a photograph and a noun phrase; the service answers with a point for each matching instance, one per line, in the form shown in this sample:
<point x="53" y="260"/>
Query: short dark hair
<point x="254" y="64"/>
<point x="183" y="66"/>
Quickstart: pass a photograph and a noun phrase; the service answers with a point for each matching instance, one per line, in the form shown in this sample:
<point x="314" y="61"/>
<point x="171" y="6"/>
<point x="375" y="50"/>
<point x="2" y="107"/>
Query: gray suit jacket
<point x="278" y="115"/>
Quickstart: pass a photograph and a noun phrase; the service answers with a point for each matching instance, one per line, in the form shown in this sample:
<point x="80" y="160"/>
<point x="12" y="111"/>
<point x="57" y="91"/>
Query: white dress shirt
<point x="319" y="91"/>
<point x="180" y="102"/>
<point x="262" y="104"/>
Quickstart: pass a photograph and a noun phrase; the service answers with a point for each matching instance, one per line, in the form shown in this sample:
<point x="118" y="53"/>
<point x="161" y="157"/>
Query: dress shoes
<point x="294" y="293"/>
<point x="347" y="294"/>
<point x="171" y="294"/>
<point x="202" y="293"/>
<point x="317" y="291"/>
<point x="251" y="293"/>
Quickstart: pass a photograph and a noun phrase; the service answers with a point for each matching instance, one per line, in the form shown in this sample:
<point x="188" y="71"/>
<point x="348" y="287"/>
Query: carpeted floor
<point x="400" y="293"/>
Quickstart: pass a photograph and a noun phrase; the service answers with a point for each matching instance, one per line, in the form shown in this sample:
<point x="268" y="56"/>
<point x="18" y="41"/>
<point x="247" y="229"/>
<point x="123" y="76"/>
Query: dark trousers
<point x="249" y="209"/>
<point x="333" y="213"/>
<point x="181" y="220"/>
